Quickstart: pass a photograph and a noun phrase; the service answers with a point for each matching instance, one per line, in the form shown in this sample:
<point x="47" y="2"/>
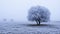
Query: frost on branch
<point x="38" y="14"/>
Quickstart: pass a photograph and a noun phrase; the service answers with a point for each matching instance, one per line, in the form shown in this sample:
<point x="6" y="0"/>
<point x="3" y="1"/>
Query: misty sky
<point x="18" y="9"/>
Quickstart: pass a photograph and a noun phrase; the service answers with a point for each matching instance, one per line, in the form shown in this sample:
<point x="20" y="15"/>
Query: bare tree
<point x="38" y="14"/>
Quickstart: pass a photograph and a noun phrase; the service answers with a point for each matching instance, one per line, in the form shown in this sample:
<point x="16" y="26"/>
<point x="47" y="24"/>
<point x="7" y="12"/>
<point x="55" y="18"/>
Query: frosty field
<point x="30" y="28"/>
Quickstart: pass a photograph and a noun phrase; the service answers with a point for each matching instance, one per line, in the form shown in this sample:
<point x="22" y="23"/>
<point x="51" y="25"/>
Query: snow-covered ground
<point x="30" y="28"/>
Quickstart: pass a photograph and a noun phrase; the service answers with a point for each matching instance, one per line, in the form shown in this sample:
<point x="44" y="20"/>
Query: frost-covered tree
<point x="38" y="14"/>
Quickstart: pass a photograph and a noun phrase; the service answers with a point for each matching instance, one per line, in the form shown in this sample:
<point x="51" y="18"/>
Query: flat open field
<point x="29" y="28"/>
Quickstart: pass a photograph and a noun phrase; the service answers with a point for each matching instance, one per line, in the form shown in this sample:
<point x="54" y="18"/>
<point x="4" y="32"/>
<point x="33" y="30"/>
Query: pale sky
<point x="18" y="9"/>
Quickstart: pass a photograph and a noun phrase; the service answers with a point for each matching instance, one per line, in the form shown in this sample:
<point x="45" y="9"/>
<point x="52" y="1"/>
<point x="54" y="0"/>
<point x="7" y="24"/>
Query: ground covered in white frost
<point x="29" y="28"/>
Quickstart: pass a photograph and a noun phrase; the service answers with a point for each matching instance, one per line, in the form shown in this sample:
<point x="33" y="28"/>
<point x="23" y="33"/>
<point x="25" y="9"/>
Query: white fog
<point x="18" y="9"/>
<point x="13" y="17"/>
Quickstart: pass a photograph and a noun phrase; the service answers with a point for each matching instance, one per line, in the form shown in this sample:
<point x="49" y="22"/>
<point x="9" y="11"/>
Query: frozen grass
<point x="29" y="28"/>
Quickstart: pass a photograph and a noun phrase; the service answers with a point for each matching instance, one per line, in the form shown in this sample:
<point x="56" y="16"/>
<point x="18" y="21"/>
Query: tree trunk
<point x="39" y="22"/>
